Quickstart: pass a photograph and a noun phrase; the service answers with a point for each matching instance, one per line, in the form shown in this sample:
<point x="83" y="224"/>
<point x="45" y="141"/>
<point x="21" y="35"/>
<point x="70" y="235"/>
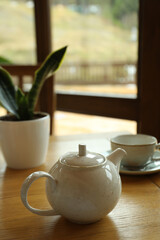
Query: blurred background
<point x="101" y="58"/>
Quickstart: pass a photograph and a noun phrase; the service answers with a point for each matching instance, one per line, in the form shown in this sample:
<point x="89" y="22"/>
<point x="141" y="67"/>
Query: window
<point x="17" y="34"/>
<point x="102" y="40"/>
<point x="143" y="107"/>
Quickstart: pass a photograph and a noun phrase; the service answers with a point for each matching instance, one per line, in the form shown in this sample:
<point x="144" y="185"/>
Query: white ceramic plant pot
<point x="24" y="144"/>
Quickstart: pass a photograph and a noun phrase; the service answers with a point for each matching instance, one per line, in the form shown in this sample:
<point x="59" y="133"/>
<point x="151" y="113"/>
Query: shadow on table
<point x="105" y="229"/>
<point x="34" y="227"/>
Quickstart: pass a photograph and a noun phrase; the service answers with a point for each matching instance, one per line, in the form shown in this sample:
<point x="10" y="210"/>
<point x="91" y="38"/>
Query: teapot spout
<point x="116" y="156"/>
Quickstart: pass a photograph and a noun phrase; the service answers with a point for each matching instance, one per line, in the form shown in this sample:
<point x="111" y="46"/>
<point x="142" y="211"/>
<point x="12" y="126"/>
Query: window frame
<point x="144" y="108"/>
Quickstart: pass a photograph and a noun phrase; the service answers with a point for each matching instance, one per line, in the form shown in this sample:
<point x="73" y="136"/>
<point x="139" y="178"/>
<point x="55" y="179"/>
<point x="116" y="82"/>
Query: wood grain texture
<point x="136" y="216"/>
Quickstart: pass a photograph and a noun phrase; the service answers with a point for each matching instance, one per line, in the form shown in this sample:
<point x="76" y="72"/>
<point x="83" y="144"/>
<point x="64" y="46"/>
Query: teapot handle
<point x="24" y="190"/>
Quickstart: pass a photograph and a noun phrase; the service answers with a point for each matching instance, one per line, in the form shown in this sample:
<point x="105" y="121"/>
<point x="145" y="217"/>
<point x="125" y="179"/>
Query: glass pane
<point x="102" y="40"/>
<point x="17" y="36"/>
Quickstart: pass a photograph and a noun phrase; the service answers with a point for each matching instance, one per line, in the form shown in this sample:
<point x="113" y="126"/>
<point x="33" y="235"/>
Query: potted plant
<point x="24" y="134"/>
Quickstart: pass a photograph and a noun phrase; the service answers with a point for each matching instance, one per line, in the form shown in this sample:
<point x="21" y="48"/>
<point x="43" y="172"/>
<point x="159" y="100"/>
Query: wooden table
<point x="136" y="216"/>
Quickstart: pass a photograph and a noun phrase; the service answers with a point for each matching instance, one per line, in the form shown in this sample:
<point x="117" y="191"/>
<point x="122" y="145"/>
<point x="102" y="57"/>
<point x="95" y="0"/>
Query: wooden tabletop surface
<point x="136" y="216"/>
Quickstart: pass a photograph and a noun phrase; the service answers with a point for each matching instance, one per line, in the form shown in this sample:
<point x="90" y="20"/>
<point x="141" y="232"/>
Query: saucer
<point x="150" y="168"/>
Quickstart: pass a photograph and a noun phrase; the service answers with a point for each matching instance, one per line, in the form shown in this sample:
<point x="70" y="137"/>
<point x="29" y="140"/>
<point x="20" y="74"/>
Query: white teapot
<point x="82" y="187"/>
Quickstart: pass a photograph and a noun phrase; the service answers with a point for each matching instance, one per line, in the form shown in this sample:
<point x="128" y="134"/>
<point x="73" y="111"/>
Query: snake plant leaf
<point x="8" y="93"/>
<point x="19" y="96"/>
<point x="48" y="67"/>
<point x="22" y="103"/>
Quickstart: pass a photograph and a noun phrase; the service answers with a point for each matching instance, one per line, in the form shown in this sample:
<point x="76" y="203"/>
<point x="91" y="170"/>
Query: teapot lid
<point x="83" y="158"/>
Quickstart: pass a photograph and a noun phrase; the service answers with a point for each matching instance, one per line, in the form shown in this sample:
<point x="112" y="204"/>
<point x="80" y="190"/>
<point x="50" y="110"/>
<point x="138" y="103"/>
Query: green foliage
<point x="4" y="60"/>
<point x="89" y="34"/>
<point x="15" y="101"/>
<point x="121" y="8"/>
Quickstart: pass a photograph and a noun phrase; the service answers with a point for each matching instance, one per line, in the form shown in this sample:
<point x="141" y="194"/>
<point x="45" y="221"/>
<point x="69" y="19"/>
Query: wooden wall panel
<point x="149" y="68"/>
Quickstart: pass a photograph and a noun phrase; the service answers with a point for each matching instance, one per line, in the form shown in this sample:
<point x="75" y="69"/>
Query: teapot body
<point x="82" y="187"/>
<point x="83" y="194"/>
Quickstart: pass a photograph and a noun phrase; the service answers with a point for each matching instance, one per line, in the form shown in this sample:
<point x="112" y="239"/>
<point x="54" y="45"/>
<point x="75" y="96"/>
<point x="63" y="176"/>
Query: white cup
<point x="140" y="148"/>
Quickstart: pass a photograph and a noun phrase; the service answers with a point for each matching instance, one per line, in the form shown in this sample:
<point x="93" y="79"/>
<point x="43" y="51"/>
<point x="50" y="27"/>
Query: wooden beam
<point x="149" y="68"/>
<point x="124" y="108"/>
<point x="21" y="70"/>
<point x="44" y="47"/>
<point x="43" y="29"/>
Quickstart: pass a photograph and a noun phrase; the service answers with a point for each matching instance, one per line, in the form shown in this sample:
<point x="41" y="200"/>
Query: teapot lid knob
<point x="82" y="150"/>
<point x="82" y="158"/>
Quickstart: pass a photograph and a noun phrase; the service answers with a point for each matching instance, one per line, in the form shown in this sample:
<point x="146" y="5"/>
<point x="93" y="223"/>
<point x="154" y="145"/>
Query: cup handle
<point x="24" y="190"/>
<point x="157" y="147"/>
